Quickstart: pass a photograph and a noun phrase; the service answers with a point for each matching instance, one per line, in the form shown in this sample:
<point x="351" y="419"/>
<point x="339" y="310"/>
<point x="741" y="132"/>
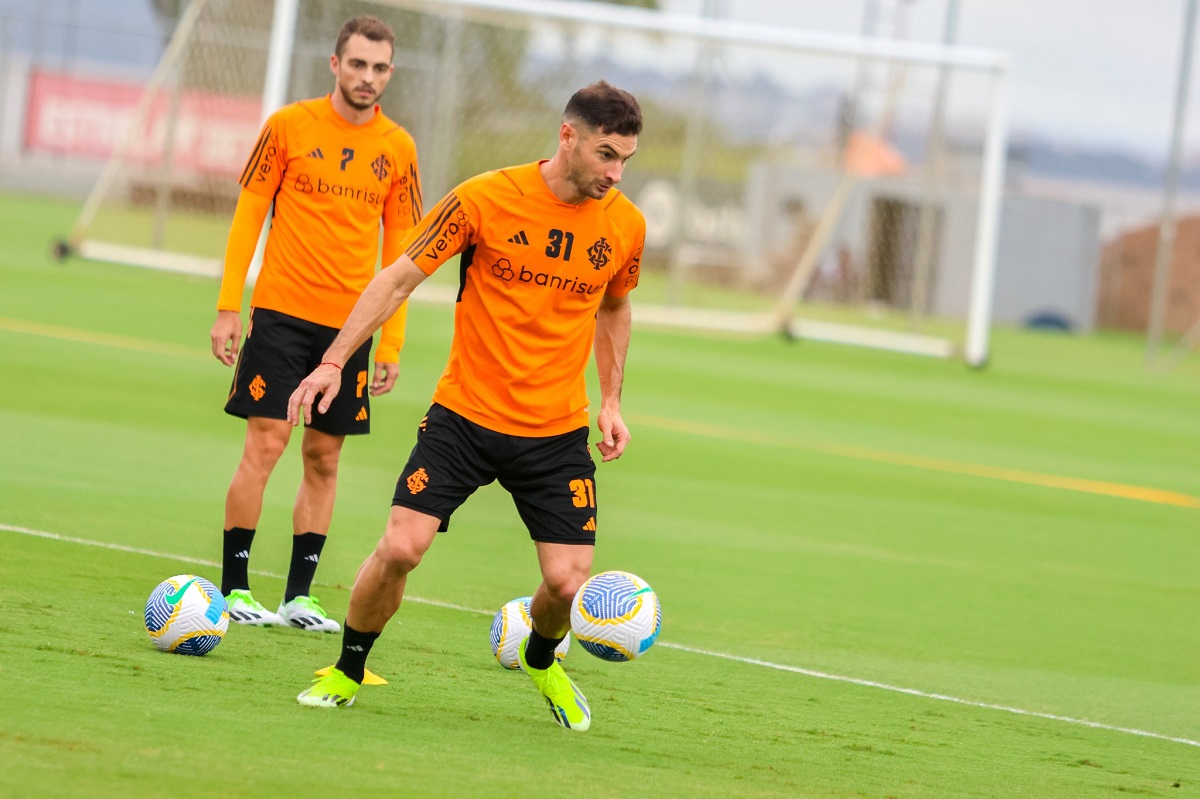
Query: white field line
<point x="924" y="695"/>
<point x="693" y="650"/>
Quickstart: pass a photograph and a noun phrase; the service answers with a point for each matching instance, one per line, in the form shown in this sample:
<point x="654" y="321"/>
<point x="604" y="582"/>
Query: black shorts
<point x="279" y="352"/>
<point x="552" y="480"/>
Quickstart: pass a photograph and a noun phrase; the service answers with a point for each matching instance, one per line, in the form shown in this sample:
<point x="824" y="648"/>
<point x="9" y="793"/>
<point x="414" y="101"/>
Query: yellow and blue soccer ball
<point x="512" y="625"/>
<point x="186" y="615"/>
<point x="616" y="616"/>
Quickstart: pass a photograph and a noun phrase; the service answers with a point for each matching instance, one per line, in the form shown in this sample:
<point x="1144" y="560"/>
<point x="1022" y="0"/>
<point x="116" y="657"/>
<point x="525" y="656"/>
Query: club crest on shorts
<point x="258" y="387"/>
<point x="418" y="480"/>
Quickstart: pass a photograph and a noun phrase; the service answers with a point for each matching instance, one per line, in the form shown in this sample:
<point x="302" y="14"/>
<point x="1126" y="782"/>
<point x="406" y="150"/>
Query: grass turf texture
<point x="741" y="500"/>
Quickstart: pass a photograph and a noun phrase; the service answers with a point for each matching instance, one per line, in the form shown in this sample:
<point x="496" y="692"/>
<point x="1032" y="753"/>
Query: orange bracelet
<point x="331" y="363"/>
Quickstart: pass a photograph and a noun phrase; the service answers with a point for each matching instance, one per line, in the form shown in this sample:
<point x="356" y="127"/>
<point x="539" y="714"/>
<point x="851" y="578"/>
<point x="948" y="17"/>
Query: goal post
<point x="78" y="240"/>
<point x="166" y="193"/>
<point x="835" y="187"/>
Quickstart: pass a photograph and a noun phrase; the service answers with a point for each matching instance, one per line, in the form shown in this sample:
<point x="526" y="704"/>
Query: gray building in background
<point x="1047" y="260"/>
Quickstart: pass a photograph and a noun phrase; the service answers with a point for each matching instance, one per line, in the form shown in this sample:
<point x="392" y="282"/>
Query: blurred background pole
<point x="279" y="57"/>
<point x="707" y="55"/>
<point x="850" y="111"/>
<point x="933" y="181"/>
<point x="1166" y="231"/>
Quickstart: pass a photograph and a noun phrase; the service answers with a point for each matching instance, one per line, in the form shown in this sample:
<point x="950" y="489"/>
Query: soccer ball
<point x="510" y="627"/>
<point x="616" y="616"/>
<point x="186" y="615"/>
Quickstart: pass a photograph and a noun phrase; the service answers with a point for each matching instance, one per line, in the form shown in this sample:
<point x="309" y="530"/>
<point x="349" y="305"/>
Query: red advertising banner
<point x="89" y="118"/>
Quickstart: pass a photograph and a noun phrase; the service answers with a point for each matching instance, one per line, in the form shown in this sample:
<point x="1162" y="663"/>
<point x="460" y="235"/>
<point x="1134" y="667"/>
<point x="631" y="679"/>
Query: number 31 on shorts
<point x="585" y="493"/>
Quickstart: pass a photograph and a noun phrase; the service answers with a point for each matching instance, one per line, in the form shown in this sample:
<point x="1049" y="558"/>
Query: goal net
<point x="819" y="186"/>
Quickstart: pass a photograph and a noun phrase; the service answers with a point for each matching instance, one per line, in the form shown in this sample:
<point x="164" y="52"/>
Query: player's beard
<point x="354" y="102"/>
<point x="588" y="186"/>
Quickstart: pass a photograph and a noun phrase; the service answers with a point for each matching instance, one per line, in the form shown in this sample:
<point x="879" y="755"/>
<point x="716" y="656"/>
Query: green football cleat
<point x="245" y="609"/>
<point x="334" y="689"/>
<point x="568" y="706"/>
<point x="306" y="613"/>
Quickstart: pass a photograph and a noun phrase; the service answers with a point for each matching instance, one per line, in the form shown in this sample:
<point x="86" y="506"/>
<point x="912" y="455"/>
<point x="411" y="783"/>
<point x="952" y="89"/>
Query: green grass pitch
<point x="919" y="580"/>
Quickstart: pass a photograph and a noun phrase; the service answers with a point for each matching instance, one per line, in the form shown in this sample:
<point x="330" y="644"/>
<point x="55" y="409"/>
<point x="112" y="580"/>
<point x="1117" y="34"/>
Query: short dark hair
<point x="373" y="28"/>
<point x="606" y="108"/>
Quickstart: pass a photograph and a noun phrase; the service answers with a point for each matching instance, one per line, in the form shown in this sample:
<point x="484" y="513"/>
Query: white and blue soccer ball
<point x="616" y="616"/>
<point x="186" y="615"/>
<point x="512" y="625"/>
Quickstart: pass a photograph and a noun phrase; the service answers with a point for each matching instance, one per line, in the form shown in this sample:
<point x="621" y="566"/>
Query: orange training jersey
<point x="533" y="272"/>
<point x="332" y="183"/>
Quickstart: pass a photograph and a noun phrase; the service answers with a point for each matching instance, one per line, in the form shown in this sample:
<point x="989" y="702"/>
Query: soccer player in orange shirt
<point x="335" y="168"/>
<point x="549" y="254"/>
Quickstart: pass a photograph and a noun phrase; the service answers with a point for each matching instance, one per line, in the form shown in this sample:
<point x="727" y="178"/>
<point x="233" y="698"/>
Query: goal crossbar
<point x="721" y="30"/>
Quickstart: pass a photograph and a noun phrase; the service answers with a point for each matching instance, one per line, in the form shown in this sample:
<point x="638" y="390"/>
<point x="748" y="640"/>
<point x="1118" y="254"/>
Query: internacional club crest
<point x="381" y="167"/>
<point x="417" y="481"/>
<point x="599" y="252"/>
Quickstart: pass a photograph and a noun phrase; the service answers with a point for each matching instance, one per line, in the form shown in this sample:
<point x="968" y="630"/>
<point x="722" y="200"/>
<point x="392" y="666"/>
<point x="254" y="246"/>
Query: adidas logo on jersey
<point x="362" y="414"/>
<point x="590" y="527"/>
<point x="520" y="238"/>
<point x="317" y="154"/>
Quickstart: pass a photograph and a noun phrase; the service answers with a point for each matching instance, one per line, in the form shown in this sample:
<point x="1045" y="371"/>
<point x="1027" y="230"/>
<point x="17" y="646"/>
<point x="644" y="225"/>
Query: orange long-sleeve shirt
<point x="333" y="185"/>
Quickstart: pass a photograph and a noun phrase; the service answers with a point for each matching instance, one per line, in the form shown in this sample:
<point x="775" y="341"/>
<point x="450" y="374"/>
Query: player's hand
<point x="385" y="378"/>
<point x="615" y="435"/>
<point x="325" y="382"/>
<point x="226" y="334"/>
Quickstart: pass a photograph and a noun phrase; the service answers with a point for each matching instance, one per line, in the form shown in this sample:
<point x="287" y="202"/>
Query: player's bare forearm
<point x="383" y="295"/>
<point x="386" y="292"/>
<point x="614" y="321"/>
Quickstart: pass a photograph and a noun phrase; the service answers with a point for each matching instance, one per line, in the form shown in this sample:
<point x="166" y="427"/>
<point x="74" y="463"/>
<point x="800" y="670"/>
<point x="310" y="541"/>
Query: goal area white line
<point x="680" y="647"/>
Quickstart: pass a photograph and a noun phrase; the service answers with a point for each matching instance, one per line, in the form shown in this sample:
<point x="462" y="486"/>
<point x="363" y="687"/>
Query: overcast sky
<point x="1096" y="72"/>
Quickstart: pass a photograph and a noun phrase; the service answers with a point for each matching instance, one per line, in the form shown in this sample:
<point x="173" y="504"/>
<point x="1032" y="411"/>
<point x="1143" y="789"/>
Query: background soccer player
<point x="335" y="167"/>
<point x="550" y="251"/>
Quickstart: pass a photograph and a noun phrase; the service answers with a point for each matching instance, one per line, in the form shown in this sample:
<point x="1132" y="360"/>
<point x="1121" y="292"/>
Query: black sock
<point x="539" y="652"/>
<point x="355" y="648"/>
<point x="235" y="560"/>
<point x="306" y="552"/>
